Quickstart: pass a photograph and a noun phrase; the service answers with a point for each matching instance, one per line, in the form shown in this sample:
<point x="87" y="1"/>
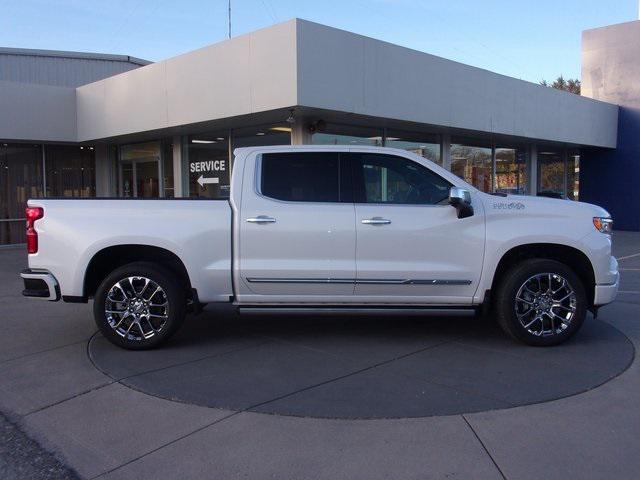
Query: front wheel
<point x="540" y="302"/>
<point x="139" y="305"/>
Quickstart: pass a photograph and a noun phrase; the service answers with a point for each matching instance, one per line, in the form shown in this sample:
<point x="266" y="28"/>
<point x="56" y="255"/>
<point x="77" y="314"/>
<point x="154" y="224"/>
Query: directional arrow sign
<point x="202" y="180"/>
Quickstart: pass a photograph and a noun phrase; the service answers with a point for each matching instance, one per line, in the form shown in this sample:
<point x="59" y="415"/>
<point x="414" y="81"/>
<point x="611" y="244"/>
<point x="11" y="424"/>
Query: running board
<point x="357" y="310"/>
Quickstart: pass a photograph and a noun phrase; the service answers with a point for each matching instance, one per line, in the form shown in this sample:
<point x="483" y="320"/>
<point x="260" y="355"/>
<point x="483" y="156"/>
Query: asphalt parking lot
<point x="269" y="397"/>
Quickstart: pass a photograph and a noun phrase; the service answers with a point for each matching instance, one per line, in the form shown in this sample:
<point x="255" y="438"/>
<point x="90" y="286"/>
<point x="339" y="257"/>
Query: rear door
<point x="411" y="246"/>
<point x="297" y="229"/>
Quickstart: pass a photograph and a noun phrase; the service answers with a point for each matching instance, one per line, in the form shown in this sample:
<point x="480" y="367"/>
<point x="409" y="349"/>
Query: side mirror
<point x="460" y="199"/>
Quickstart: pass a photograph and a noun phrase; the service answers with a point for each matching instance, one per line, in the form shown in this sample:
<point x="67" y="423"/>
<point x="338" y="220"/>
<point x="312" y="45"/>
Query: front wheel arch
<point x="573" y="258"/>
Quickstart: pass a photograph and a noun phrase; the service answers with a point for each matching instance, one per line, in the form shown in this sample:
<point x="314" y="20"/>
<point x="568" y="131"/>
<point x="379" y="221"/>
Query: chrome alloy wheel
<point x="136" y="308"/>
<point x="545" y="304"/>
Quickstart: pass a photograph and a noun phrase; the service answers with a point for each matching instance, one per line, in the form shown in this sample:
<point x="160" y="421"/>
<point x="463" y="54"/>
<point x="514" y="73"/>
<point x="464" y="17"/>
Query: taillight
<point x="32" y="214"/>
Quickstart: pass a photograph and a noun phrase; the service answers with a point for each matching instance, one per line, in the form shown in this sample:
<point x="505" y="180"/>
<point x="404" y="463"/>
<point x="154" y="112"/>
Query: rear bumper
<point x="40" y="284"/>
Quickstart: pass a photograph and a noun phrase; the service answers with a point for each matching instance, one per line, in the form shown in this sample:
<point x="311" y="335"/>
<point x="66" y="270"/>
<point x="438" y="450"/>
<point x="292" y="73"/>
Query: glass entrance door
<point x="140" y="170"/>
<point x="139" y="179"/>
<point x="147" y="184"/>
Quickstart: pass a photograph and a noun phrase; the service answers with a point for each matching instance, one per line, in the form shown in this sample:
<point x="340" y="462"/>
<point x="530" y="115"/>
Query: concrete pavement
<point x="103" y="429"/>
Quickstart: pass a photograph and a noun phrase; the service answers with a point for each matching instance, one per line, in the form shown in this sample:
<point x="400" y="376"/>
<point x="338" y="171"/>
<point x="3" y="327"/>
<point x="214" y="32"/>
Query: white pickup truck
<point x="333" y="228"/>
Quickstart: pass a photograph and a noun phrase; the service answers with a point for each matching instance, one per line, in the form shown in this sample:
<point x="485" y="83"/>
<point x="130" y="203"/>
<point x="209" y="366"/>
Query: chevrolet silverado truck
<point x="325" y="228"/>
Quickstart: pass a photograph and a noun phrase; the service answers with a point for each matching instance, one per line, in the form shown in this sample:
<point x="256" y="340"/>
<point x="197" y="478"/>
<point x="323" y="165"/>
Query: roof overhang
<point x="315" y="68"/>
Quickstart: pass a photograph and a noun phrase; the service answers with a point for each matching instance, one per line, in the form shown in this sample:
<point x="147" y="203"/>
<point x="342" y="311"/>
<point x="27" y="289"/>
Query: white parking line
<point x="629" y="256"/>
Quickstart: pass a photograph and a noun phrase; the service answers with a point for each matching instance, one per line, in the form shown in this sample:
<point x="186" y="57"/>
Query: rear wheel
<point x="139" y="306"/>
<point x="541" y="302"/>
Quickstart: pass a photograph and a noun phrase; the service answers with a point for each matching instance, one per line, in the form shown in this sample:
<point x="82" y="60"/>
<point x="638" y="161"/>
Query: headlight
<point x="603" y="224"/>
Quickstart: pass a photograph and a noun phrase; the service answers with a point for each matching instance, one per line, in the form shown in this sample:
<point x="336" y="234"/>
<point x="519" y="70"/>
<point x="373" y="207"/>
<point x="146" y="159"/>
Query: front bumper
<point x="40" y="284"/>
<point x="607" y="293"/>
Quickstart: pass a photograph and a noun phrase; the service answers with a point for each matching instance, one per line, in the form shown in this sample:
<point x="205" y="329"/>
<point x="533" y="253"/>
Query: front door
<point x="411" y="246"/>
<point x="296" y="230"/>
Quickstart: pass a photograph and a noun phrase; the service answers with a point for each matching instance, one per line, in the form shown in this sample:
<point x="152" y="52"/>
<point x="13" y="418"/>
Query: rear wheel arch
<point x="111" y="258"/>
<point x="569" y="256"/>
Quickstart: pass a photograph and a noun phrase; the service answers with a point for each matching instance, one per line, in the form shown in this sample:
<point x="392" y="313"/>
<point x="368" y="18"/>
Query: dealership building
<point x="96" y="125"/>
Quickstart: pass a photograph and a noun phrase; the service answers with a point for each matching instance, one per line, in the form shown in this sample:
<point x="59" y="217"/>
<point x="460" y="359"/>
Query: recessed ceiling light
<point x="260" y="134"/>
<point x="220" y="139"/>
<point x="281" y="129"/>
<point x="202" y="141"/>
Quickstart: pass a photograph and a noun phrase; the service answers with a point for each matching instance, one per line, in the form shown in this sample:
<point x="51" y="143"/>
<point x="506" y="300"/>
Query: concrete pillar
<point x="106" y="176"/>
<point x="445" y="151"/>
<point x="178" y="190"/>
<point x="533" y="170"/>
<point x="565" y="161"/>
<point x="300" y="134"/>
<point x="494" y="171"/>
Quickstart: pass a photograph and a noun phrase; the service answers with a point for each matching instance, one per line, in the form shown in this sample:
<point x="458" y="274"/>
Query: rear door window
<point x="304" y="177"/>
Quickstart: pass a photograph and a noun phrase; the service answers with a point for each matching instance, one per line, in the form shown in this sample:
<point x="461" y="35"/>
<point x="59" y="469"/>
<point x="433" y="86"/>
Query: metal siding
<point x="610" y="71"/>
<point x="58" y="70"/>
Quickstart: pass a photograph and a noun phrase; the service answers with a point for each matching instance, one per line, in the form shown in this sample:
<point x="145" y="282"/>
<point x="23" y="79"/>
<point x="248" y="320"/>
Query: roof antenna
<point x="229" y="18"/>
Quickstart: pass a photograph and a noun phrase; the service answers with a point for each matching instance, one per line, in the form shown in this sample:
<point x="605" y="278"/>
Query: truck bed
<point x="197" y="231"/>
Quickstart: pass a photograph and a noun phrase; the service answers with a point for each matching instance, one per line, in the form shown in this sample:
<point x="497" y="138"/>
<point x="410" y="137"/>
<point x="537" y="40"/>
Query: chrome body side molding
<point x="367" y="281"/>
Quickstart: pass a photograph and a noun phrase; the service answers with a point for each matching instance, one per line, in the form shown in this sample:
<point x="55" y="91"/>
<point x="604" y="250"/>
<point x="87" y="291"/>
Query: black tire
<point x="151" y="316"/>
<point x="505" y="303"/>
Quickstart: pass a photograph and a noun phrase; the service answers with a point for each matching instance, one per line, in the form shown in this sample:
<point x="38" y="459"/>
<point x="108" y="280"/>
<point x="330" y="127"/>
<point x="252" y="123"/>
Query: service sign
<point x="211" y="171"/>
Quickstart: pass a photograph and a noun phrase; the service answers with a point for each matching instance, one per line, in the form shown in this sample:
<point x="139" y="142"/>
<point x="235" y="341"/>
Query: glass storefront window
<point x="573" y="175"/>
<point x="208" y="165"/>
<point x="551" y="173"/>
<point x="334" y="134"/>
<point x="140" y="170"/>
<point x="473" y="163"/>
<point x="209" y="162"/>
<point x="425" y="145"/>
<point x="261" y="136"/>
<point x="70" y="171"/>
<point x="511" y="170"/>
<point x="20" y="180"/>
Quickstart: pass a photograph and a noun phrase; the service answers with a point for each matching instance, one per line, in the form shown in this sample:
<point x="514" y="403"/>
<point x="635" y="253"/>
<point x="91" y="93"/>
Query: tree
<point x="571" y="85"/>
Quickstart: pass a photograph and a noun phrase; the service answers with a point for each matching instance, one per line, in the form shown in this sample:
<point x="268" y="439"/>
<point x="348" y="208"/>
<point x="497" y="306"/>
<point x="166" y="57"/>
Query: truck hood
<point x="527" y="205"/>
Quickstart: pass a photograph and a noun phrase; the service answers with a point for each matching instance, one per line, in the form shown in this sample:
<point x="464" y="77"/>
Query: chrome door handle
<point x="376" y="221"/>
<point x="261" y="219"/>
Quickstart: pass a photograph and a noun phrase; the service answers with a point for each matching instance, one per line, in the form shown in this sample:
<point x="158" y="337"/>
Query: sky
<point x="531" y="40"/>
